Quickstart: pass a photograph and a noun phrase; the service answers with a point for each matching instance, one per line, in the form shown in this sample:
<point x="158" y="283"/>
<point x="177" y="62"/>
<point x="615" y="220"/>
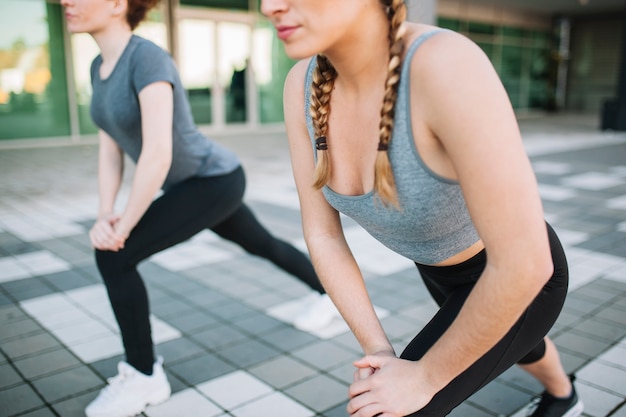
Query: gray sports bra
<point x="433" y="223"/>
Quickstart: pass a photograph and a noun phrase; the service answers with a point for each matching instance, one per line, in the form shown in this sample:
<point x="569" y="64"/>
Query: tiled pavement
<point x="219" y="314"/>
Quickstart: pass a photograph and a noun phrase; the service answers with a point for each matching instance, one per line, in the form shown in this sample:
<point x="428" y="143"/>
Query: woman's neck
<point x="112" y="42"/>
<point x="361" y="60"/>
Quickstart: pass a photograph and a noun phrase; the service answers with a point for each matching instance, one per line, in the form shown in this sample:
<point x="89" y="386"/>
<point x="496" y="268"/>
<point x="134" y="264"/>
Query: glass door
<point x="233" y="46"/>
<point x="213" y="54"/>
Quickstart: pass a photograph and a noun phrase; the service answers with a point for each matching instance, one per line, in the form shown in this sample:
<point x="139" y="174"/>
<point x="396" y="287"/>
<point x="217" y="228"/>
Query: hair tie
<point x="320" y="143"/>
<point x="383" y="146"/>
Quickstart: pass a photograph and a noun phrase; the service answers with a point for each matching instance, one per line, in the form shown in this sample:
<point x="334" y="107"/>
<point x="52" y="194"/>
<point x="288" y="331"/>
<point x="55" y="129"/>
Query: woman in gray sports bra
<point x="407" y="129"/>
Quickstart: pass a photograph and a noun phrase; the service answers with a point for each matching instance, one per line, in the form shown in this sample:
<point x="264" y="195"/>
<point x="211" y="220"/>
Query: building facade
<point x="233" y="66"/>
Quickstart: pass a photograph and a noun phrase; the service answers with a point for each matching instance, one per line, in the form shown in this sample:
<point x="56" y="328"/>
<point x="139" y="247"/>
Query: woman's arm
<point x="110" y="171"/>
<point x="330" y="254"/>
<point x="157" y="109"/>
<point x="472" y="117"/>
<point x="464" y="107"/>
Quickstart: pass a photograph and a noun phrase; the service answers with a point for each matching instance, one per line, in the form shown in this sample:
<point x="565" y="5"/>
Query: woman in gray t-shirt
<point x="141" y="109"/>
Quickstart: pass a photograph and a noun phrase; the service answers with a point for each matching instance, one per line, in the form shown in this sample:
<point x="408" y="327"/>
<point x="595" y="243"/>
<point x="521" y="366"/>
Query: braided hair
<point x="323" y="81"/>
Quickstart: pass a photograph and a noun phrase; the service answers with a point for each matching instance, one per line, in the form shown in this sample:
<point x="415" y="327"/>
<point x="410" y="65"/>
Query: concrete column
<point x="621" y="86"/>
<point x="613" y="112"/>
<point x="422" y="11"/>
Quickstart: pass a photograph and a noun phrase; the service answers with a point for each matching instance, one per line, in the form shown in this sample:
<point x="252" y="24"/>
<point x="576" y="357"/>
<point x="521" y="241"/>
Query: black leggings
<point x="450" y="287"/>
<point x="174" y="217"/>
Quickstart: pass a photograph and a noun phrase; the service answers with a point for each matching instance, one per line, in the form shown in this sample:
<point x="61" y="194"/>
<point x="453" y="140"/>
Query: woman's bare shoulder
<point x="296" y="75"/>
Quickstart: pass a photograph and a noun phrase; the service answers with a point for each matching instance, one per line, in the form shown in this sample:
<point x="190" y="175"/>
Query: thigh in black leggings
<point x="243" y="228"/>
<point x="450" y="286"/>
<point x="175" y="216"/>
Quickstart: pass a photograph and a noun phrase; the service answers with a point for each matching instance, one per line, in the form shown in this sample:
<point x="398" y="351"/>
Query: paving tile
<point x="10" y="314"/>
<point x="179" y="349"/>
<point x="201" y="369"/>
<point x="621" y="411"/>
<point x="336" y="411"/>
<point x="176" y="383"/>
<point x="67" y="280"/>
<point x="42" y="262"/>
<point x="613" y="285"/>
<point x="18" y="399"/>
<point x="580" y="305"/>
<point x="11" y="245"/>
<point x="615" y="356"/>
<point x="27" y="288"/>
<point x="171" y="308"/>
<point x="68" y="250"/>
<point x="4" y="299"/>
<point x="233" y="310"/>
<point x="185" y="403"/>
<point x="282" y="371"/>
<point x="74" y="406"/>
<point x="613" y="315"/>
<point x="266" y="300"/>
<point x="572" y="362"/>
<point x="86" y="331"/>
<point x="600" y="328"/>
<point x="319" y="393"/>
<point x="106" y="367"/>
<point x="349" y="342"/>
<point x="556" y="193"/>
<point x="11" y="270"/>
<point x="219" y="336"/>
<point x="399" y="328"/>
<point x="287" y="338"/>
<point x="592" y="181"/>
<point x="324" y="355"/>
<point x="67" y="383"/>
<point x="604" y="376"/>
<point x="515" y="377"/>
<point x="189" y="255"/>
<point x="499" y="399"/>
<point x="248" y="352"/>
<point x="585" y="346"/>
<point x="343" y="373"/>
<point x="257" y="324"/>
<point x="41" y="412"/>
<point x="46" y="363"/>
<point x="18" y="328"/>
<point x="597" y="402"/>
<point x="234" y="389"/>
<point x="8" y="376"/>
<point x="276" y="405"/>
<point x="29" y="344"/>
<point x="468" y="410"/>
<point x="602" y="294"/>
<point x="101" y="348"/>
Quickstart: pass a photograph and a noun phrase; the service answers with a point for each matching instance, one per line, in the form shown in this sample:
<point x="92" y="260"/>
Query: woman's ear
<point x="119" y="7"/>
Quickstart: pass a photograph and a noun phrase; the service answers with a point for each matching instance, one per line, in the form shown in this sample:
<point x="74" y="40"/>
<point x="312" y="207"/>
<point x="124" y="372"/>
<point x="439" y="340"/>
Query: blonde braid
<point x="384" y="183"/>
<point x="323" y="81"/>
<point x="322" y="86"/>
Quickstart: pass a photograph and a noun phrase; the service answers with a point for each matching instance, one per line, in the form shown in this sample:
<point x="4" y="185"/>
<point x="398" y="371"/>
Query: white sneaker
<point x="128" y="393"/>
<point x="317" y="314"/>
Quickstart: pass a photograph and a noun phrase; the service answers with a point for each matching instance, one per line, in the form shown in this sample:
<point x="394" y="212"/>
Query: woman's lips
<point x="285" y="32"/>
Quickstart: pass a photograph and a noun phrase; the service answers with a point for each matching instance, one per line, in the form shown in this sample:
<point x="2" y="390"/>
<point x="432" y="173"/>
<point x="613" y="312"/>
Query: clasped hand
<point x="104" y="236"/>
<point x="386" y="386"/>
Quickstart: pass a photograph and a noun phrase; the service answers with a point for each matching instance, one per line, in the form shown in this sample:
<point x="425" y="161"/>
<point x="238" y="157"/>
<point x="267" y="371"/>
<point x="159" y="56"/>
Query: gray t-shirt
<point x="115" y="109"/>
<point x="433" y="223"/>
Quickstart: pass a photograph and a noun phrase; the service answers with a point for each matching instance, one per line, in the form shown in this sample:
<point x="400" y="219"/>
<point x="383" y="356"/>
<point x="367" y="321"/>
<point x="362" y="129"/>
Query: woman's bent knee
<point x="111" y="264"/>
